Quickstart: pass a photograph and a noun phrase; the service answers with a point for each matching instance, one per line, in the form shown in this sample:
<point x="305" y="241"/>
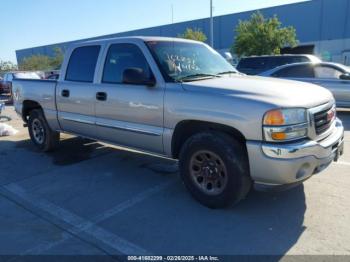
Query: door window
<point x="121" y="57"/>
<point x="300" y="71"/>
<point x="82" y="64"/>
<point x="327" y="72"/>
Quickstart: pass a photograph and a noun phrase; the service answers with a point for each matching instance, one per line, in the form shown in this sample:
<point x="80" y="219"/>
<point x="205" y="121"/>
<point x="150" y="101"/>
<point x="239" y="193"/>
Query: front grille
<point x="323" y="120"/>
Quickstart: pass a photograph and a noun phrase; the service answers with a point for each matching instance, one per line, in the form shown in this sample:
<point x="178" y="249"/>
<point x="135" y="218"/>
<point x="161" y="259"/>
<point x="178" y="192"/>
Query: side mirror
<point x="136" y="76"/>
<point x="345" y="76"/>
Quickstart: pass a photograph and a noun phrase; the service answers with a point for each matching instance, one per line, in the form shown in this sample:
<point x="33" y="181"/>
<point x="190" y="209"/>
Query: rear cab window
<point x="82" y="64"/>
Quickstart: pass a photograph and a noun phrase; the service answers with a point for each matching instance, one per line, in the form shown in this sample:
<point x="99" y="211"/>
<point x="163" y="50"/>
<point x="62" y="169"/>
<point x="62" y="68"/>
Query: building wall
<point x="324" y="23"/>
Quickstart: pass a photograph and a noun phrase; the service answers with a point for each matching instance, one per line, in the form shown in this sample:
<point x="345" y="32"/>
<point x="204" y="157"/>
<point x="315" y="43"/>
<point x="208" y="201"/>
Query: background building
<point x="323" y="28"/>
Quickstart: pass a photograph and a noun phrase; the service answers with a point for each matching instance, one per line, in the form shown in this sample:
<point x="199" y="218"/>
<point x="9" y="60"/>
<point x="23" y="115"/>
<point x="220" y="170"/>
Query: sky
<point x="26" y="24"/>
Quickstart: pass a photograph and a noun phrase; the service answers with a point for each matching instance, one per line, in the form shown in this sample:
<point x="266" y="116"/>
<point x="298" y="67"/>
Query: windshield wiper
<point x="195" y="76"/>
<point x="228" y="72"/>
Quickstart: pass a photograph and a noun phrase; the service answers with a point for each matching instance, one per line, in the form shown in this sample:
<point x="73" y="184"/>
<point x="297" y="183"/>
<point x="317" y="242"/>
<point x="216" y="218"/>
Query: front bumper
<point x="281" y="164"/>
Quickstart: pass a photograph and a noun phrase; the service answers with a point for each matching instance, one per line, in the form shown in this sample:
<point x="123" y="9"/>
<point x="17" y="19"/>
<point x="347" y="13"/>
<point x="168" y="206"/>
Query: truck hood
<point x="277" y="92"/>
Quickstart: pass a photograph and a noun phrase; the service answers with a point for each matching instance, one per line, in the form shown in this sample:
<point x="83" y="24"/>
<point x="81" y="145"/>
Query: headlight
<point x="282" y="125"/>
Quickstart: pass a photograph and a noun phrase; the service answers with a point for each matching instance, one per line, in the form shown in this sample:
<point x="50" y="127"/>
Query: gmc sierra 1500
<point x="180" y="99"/>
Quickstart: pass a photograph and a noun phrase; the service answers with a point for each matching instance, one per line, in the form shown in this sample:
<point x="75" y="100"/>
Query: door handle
<point x="65" y="93"/>
<point x="101" y="96"/>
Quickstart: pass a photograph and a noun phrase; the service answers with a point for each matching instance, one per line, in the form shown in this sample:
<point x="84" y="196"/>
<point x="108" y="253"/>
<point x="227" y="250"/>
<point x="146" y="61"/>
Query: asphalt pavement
<point x="89" y="198"/>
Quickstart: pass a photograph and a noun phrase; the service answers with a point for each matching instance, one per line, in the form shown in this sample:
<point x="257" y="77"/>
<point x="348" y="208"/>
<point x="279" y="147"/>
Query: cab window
<point x="121" y="57"/>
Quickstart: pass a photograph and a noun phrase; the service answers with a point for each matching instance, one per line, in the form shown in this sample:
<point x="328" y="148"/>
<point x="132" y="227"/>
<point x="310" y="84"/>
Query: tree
<point x="261" y="36"/>
<point x="36" y="63"/>
<point x="194" y="34"/>
<point x="6" y="66"/>
<point x="57" y="60"/>
<point x="43" y="62"/>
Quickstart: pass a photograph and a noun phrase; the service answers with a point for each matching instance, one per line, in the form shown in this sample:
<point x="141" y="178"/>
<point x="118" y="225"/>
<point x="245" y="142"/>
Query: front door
<point x="129" y="114"/>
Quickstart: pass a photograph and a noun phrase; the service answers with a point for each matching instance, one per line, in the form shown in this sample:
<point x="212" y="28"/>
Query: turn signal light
<point x="279" y="136"/>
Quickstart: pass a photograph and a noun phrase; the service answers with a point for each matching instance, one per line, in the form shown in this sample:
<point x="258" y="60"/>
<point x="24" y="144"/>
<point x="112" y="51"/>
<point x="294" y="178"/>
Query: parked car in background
<point x="53" y="77"/>
<point x="255" y="65"/>
<point x="153" y="94"/>
<point x="6" y="82"/>
<point x="335" y="77"/>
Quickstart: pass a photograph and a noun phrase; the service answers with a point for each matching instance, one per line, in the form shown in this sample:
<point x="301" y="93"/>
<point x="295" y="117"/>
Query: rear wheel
<point x="215" y="169"/>
<point x="40" y="133"/>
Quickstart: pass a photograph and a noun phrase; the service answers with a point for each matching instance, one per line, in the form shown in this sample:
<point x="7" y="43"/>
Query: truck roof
<point x="142" y="38"/>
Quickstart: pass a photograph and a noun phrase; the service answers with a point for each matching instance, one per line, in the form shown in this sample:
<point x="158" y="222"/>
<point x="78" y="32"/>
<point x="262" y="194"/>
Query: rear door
<point x="130" y="115"/>
<point x="76" y="92"/>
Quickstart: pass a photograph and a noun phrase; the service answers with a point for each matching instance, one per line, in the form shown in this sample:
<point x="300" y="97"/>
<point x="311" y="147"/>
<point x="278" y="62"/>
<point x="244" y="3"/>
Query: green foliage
<point x="35" y="63"/>
<point x="194" y="34"/>
<point x="57" y="60"/>
<point x="262" y="36"/>
<point x="6" y="66"/>
<point x="42" y="62"/>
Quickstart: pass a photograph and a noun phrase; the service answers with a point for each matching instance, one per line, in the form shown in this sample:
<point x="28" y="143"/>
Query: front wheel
<point x="40" y="133"/>
<point x="215" y="169"/>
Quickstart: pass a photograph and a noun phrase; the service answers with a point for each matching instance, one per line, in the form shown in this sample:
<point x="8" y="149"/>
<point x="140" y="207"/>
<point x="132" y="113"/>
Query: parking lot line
<point x="86" y="225"/>
<point x="69" y="222"/>
<point x="133" y="201"/>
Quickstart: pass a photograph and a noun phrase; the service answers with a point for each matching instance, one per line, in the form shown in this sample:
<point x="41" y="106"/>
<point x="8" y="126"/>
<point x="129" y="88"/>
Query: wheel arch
<point x="187" y="128"/>
<point x="28" y="106"/>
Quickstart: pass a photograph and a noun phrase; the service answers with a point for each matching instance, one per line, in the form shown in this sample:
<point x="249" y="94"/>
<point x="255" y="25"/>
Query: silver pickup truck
<point x="180" y="99"/>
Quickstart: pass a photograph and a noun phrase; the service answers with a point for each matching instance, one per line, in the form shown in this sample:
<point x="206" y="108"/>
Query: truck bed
<point x="40" y="91"/>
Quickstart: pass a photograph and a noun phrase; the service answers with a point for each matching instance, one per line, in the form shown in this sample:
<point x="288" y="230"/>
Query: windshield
<point x="26" y="75"/>
<point x="185" y="61"/>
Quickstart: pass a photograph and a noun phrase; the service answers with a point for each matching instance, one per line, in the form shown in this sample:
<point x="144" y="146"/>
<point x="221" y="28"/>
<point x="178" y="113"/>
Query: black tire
<point x="228" y="150"/>
<point x="49" y="139"/>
